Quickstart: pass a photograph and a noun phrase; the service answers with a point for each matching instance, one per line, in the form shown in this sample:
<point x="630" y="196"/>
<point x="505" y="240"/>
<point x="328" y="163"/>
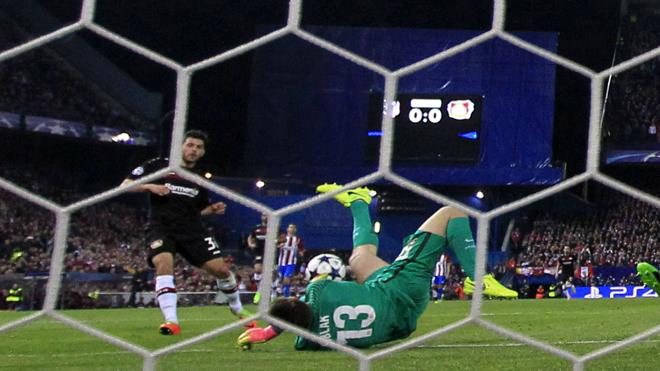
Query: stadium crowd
<point x="633" y="111"/>
<point x="42" y="83"/>
<point x="105" y="238"/>
<point x="621" y="232"/>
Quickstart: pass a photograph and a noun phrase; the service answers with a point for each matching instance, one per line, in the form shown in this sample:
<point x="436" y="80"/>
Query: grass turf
<point x="578" y="326"/>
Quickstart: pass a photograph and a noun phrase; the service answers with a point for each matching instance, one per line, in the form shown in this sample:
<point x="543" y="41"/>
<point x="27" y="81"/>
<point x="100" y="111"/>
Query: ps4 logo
<point x="619" y="292"/>
<point x="637" y="292"/>
<point x="594" y="293"/>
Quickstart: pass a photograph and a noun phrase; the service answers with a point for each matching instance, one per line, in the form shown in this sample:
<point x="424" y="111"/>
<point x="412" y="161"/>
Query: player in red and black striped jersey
<point x="256" y="240"/>
<point x="175" y="226"/>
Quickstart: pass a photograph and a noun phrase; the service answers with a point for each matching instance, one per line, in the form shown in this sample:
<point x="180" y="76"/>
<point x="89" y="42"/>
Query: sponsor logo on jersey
<point x="183" y="191"/>
<point x="156" y="244"/>
<point x="460" y="109"/>
<point x="138" y="171"/>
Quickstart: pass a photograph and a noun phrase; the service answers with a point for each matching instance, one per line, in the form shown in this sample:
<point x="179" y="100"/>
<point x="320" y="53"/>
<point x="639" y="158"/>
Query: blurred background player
<point x="256" y="241"/>
<point x="385" y="301"/>
<point x="255" y="278"/>
<point x="567" y="288"/>
<point x="14" y="297"/>
<point x="649" y="275"/>
<point x="290" y="248"/>
<point x="439" y="277"/>
<point x="566" y="265"/>
<point x="175" y="226"/>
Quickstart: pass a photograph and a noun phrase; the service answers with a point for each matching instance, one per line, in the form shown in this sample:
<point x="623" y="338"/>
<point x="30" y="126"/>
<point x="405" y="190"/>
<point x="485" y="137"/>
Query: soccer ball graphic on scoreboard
<point x="327" y="264"/>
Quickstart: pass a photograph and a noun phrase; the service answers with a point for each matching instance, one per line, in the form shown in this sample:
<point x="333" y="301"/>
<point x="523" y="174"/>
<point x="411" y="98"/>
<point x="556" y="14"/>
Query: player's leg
<point x="166" y="292"/>
<point x="226" y="281"/>
<point x="257" y="267"/>
<point x="439" y="291"/>
<point x="204" y="253"/>
<point x="274" y="288"/>
<point x="455" y="226"/>
<point x="281" y="269"/>
<point x="364" y="259"/>
<point x="438" y="287"/>
<point x="286" y="272"/>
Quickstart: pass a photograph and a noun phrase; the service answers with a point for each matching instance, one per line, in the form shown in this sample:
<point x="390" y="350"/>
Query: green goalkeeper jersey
<point x="354" y="314"/>
<point x="384" y="308"/>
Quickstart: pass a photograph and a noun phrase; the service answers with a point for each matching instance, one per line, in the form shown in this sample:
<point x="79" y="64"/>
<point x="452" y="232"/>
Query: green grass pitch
<point x="579" y="326"/>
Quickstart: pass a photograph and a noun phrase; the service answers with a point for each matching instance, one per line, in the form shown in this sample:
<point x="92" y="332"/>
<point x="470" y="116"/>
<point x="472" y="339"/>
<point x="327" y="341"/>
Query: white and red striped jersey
<point x="442" y="266"/>
<point x="289" y="250"/>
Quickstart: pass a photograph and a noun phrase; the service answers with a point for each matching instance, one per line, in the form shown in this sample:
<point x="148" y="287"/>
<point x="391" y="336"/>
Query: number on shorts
<point x="406" y="250"/>
<point x="212" y="244"/>
<point x="346" y="312"/>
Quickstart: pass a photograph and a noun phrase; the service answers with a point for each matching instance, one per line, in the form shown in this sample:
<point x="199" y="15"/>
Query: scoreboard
<point x="429" y="128"/>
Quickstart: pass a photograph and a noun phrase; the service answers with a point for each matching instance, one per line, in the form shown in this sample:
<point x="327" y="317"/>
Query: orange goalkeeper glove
<point x="256" y="335"/>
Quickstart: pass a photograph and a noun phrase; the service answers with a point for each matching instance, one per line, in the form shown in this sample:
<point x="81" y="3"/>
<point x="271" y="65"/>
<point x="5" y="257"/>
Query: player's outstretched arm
<point x="157" y="189"/>
<point x="217" y="208"/>
<point x="256" y="335"/>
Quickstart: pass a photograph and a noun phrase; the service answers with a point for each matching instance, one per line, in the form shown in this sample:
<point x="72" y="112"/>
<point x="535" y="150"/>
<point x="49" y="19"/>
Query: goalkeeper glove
<point x="256" y="335"/>
<point x="320" y="277"/>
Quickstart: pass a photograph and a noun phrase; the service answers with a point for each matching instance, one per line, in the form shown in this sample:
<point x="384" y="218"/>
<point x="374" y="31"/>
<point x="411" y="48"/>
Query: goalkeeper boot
<point x="491" y="288"/>
<point x="346" y="198"/>
<point x="649" y="275"/>
<point x="169" y="328"/>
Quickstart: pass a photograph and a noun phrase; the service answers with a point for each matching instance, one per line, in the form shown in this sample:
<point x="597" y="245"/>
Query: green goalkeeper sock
<point x="363" y="233"/>
<point x="461" y="241"/>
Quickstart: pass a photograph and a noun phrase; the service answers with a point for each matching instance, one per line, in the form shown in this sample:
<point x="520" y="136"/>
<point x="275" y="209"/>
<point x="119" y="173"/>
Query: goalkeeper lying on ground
<point x="387" y="299"/>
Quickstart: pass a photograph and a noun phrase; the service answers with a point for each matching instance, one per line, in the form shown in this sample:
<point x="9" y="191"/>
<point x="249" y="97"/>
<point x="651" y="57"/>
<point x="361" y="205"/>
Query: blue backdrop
<point x="308" y="113"/>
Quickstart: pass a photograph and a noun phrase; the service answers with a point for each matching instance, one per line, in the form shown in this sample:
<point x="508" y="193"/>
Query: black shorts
<point x="196" y="250"/>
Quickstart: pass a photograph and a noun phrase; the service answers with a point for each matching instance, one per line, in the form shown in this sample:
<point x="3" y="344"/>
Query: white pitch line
<point x="89" y="354"/>
<point x="133" y="320"/>
<point x="530" y="313"/>
<point x="513" y="345"/>
<point x="212" y="350"/>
